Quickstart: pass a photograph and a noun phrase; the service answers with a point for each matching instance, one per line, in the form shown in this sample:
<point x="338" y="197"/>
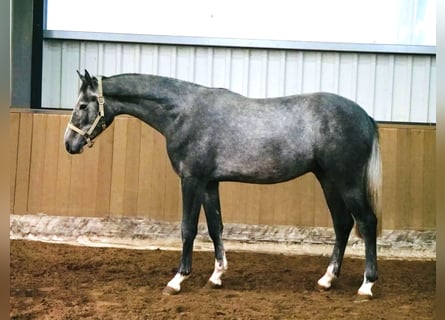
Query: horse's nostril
<point x="67" y="146"/>
<point x="73" y="147"/>
<point x="70" y="149"/>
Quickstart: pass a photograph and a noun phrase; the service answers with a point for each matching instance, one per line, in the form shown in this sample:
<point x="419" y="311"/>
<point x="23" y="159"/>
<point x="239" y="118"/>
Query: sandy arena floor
<point x="59" y="281"/>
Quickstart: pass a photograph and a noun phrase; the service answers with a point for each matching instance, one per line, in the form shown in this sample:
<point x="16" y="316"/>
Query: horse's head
<point x="88" y="117"/>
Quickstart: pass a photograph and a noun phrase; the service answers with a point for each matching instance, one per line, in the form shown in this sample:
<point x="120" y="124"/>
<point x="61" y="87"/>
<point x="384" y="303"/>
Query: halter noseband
<point x="99" y="117"/>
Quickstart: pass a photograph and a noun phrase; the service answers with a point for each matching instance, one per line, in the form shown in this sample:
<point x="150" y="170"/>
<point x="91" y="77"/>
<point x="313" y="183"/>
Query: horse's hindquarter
<point x="346" y="134"/>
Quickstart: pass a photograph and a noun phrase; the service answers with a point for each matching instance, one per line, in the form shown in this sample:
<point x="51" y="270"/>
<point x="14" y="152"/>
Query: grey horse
<point x="215" y="135"/>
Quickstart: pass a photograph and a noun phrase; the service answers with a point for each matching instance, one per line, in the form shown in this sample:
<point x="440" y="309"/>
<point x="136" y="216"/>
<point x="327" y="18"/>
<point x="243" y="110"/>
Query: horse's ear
<point x="81" y="77"/>
<point x="90" y="80"/>
<point x="88" y="77"/>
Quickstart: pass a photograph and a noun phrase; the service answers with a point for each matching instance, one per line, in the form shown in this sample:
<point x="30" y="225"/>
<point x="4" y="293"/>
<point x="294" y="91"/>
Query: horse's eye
<point x="83" y="106"/>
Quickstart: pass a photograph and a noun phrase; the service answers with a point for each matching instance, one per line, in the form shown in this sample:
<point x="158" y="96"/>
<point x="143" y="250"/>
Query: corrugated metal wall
<point x="390" y="87"/>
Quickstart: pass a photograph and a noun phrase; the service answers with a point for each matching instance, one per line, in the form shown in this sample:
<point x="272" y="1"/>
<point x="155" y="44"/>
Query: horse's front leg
<point x="192" y="196"/>
<point x="212" y="210"/>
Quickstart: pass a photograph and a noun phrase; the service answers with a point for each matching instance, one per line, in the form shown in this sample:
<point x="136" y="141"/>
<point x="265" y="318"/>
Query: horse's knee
<point x="188" y="234"/>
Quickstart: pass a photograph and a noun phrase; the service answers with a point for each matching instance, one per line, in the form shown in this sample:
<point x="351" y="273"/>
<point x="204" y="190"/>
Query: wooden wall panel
<point x="23" y="164"/>
<point x="87" y="171"/>
<point x="240" y="202"/>
<point x="132" y="159"/>
<point x="151" y="184"/>
<point x="388" y="142"/>
<point x="37" y="174"/>
<point x="77" y="186"/>
<point x="14" y="130"/>
<point x="104" y="171"/>
<point x="128" y="173"/>
<point x="172" y="192"/>
<point x="53" y="141"/>
<point x="306" y="199"/>
<point x="63" y="181"/>
<point x="408" y="156"/>
<point x="297" y="202"/>
<point x="118" y="167"/>
<point x="429" y="180"/>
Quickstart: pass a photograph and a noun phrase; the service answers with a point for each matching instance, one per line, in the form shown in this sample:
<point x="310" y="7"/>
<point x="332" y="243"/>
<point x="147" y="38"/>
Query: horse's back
<point x="315" y="119"/>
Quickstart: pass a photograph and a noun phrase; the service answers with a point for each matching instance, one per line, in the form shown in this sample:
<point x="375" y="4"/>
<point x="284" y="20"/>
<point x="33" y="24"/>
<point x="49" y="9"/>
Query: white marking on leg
<point x="365" y="289"/>
<point x="329" y="276"/>
<point x="175" y="283"/>
<point x="220" y="269"/>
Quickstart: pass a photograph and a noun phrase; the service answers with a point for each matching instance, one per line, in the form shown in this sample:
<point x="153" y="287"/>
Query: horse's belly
<point x="261" y="169"/>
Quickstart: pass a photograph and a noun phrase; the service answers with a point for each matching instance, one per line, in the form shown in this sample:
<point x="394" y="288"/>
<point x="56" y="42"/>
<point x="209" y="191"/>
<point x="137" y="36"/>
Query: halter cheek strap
<point x="99" y="117"/>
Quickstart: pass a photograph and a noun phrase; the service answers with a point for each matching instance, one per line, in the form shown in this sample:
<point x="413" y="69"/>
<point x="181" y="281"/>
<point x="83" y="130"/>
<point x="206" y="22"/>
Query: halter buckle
<point x="89" y="141"/>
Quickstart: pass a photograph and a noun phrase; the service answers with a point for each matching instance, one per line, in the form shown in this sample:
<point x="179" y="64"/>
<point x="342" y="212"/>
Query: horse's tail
<point x="374" y="180"/>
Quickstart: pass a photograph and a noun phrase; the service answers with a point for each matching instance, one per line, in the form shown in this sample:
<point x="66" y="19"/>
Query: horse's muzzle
<point x="73" y="148"/>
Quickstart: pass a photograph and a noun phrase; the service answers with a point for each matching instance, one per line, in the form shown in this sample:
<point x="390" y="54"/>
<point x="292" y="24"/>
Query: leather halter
<point x="99" y="117"/>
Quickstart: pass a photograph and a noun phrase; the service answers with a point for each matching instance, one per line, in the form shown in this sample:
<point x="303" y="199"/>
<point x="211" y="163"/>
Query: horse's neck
<point x="155" y="100"/>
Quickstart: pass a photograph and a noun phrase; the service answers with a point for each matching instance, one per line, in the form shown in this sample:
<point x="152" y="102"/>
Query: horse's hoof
<point x="169" y="291"/>
<point x="364" y="295"/>
<point x="211" y="285"/>
<point x="365" y="289"/>
<point x="324" y="285"/>
<point x="322" y="288"/>
<point x="325" y="282"/>
<point x="362" y="298"/>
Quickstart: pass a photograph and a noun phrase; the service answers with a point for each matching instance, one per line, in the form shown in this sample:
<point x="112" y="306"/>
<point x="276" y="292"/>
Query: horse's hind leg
<point x="212" y="210"/>
<point x="358" y="203"/>
<point x="343" y="222"/>
<point x="367" y="224"/>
